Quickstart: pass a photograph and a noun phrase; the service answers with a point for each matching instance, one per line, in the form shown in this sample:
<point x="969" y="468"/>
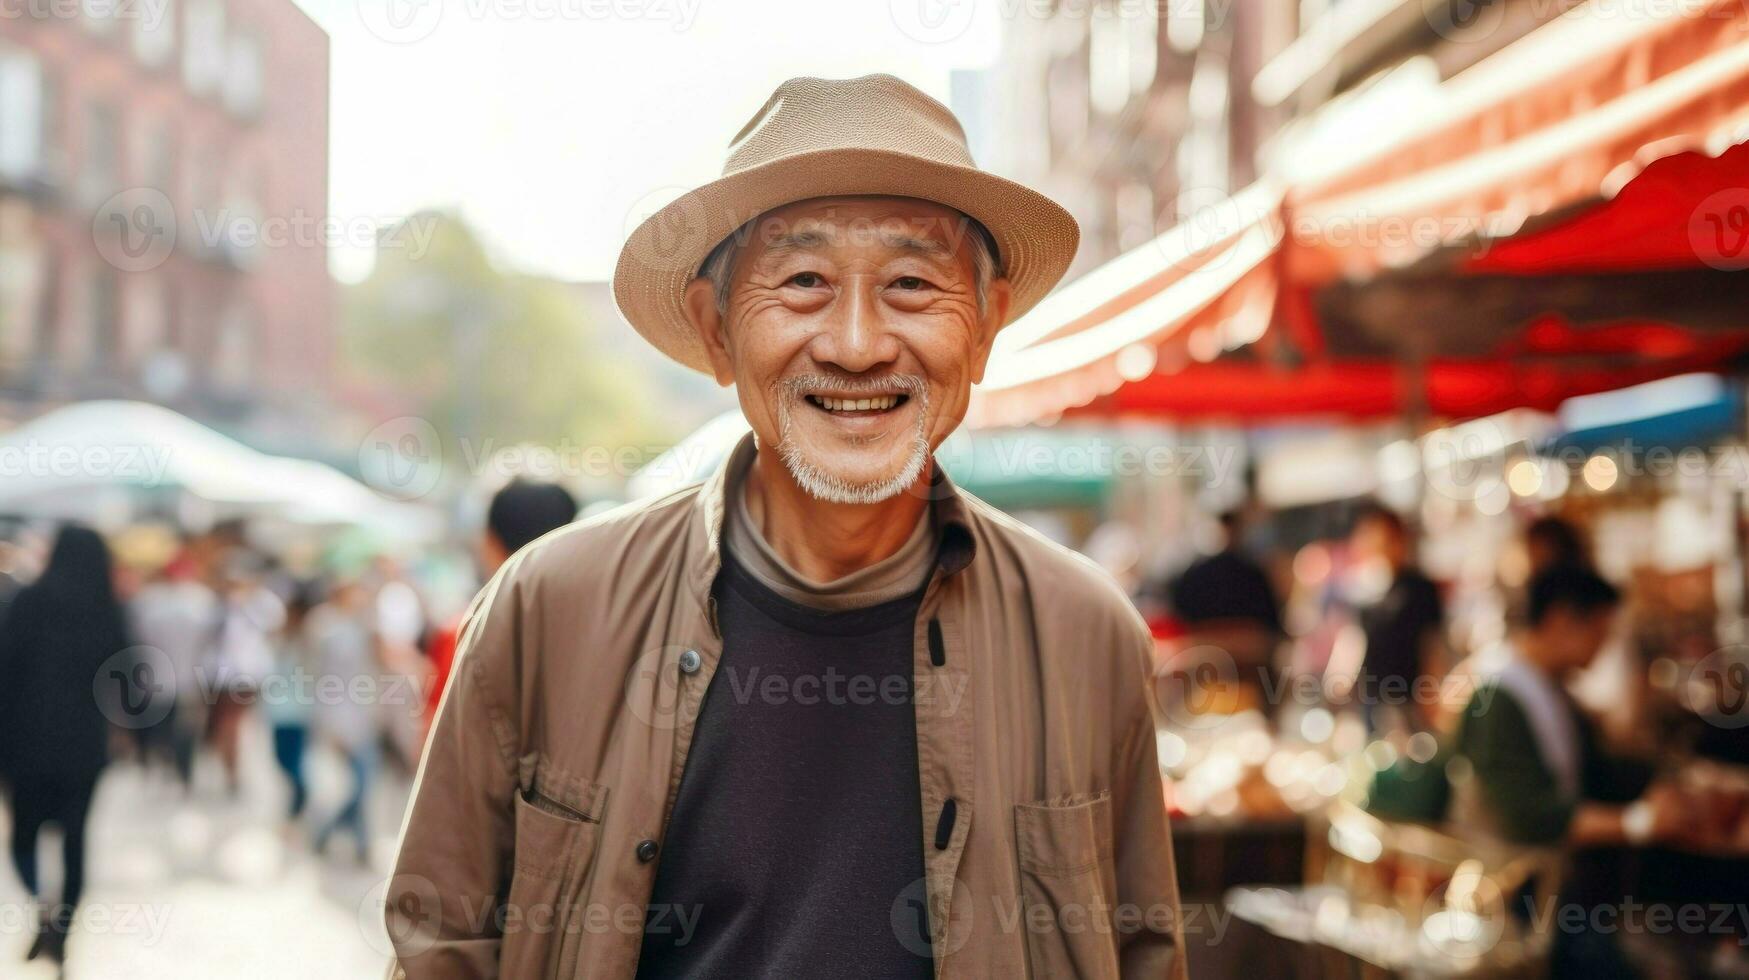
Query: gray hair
<point x="721" y="260"/>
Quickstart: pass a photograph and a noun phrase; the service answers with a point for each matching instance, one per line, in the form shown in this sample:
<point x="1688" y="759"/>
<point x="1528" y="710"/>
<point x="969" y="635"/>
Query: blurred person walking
<point x="1400" y="614"/>
<point x="343" y="642"/>
<point x="288" y="698"/>
<point x="401" y="628"/>
<point x="1227" y="588"/>
<point x="250" y="618"/>
<point x="174" y="613"/>
<point x="1227" y="600"/>
<point x="56" y="713"/>
<point x="520" y="511"/>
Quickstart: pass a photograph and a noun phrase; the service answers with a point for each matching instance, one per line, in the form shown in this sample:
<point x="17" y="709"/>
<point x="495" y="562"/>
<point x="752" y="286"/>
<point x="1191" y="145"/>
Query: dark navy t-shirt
<point x="795" y="847"/>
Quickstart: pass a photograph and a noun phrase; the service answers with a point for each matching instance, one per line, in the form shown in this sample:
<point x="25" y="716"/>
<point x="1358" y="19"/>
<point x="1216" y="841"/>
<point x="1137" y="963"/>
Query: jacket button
<point x="690" y="662"/>
<point x="646" y="851"/>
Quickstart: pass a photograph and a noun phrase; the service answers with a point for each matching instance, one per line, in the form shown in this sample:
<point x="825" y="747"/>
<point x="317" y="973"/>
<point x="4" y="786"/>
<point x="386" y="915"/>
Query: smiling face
<point x="853" y="331"/>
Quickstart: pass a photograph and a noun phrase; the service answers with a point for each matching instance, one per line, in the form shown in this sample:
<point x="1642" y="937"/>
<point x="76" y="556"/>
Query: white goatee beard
<point x="834" y="489"/>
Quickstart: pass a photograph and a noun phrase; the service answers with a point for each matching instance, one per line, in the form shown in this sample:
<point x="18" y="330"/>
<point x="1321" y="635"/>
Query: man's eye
<point x="806" y="280"/>
<point x="910" y="282"/>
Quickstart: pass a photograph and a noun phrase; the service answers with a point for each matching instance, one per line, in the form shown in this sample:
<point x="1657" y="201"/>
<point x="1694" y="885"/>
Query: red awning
<point x="1639" y="106"/>
<point x="1355" y="390"/>
<point x="1635" y="230"/>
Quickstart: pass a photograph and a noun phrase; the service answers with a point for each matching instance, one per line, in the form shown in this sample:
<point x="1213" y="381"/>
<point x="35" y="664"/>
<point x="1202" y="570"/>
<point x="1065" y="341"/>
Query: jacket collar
<point x="948" y="506"/>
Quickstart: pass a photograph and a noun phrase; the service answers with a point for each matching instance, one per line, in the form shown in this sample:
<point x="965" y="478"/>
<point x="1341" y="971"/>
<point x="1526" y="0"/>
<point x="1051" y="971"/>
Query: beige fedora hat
<point x="820" y="137"/>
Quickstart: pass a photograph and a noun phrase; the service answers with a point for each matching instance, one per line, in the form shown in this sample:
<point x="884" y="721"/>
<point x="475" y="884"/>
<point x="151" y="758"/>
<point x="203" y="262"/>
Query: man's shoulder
<point x="1495" y="712"/>
<point x="1060" y="579"/>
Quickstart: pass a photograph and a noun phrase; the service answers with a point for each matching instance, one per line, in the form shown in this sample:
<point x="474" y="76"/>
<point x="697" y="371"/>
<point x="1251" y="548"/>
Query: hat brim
<point x="1036" y="237"/>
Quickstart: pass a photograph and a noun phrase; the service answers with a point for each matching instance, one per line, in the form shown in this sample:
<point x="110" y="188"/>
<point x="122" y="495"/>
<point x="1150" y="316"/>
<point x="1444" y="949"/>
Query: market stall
<point x="1566" y="219"/>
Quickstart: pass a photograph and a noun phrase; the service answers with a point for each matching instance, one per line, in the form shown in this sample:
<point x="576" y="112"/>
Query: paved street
<point x="215" y="888"/>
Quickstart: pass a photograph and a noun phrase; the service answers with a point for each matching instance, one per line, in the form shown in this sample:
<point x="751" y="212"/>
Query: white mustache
<point x="802" y="385"/>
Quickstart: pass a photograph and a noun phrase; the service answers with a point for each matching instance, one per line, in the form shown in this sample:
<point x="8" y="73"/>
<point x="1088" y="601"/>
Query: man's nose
<point x="855" y="337"/>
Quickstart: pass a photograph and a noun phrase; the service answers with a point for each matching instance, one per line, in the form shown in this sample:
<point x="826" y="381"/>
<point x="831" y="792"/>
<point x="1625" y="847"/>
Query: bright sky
<point x="554" y="125"/>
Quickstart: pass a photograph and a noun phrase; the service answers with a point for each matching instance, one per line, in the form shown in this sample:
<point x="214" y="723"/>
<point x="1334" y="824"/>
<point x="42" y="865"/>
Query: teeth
<point x="880" y="403"/>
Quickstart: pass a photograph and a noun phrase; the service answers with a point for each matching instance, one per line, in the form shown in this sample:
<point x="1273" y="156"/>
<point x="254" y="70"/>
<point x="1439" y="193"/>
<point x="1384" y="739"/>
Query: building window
<point x="1203" y="159"/>
<point x="198" y="202"/>
<point x="234" y="350"/>
<point x="1186" y="20"/>
<point x="1123" y="50"/>
<point x="25" y="115"/>
<point x="52" y="165"/>
<point x="103" y="319"/>
<point x="157" y="163"/>
<point x="100" y="168"/>
<point x="155" y="34"/>
<point x="23" y="278"/>
<point x="242" y="215"/>
<point x="145" y="318"/>
<point x="1066" y="88"/>
<point x="1108" y="62"/>
<point x="243" y="75"/>
<point x="204" y="50"/>
<point x="48" y="311"/>
<point x="175" y="335"/>
<point x="1143" y="31"/>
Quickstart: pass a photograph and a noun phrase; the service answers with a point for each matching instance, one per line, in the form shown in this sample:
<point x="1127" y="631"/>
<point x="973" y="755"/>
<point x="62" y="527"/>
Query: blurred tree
<point x="492" y="358"/>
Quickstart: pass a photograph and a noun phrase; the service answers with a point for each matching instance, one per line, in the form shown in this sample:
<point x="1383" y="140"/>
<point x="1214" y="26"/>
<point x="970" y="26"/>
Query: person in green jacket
<point x="1530" y="767"/>
<point x="1540" y="773"/>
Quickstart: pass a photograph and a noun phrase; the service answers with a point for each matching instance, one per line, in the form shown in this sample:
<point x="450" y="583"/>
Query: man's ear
<point x="997" y="299"/>
<point x="700" y="301"/>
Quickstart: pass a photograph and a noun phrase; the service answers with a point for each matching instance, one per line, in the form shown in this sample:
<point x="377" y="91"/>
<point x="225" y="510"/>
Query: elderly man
<point x="826" y="715"/>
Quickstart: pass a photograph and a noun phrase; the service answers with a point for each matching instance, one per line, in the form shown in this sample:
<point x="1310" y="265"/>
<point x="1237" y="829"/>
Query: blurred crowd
<point x="171" y="665"/>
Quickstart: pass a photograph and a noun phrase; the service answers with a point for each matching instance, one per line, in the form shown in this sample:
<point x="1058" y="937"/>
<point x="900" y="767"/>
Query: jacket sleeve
<point x="1516" y="785"/>
<point x="441" y="905"/>
<point x="1149" y="925"/>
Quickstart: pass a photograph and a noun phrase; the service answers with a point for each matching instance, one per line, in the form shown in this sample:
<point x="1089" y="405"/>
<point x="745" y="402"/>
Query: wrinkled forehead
<point x="862" y="223"/>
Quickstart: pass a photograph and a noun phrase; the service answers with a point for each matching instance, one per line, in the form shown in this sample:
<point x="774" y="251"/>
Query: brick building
<point x="163" y="189"/>
<point x="1139" y="115"/>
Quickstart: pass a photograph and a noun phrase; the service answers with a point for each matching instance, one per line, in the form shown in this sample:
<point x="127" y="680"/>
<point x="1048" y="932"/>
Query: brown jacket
<point x="531" y="846"/>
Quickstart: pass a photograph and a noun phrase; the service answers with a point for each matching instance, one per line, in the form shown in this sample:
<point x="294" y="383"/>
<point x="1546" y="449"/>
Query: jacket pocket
<point x="1068" y="886"/>
<point x="557" y="822"/>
